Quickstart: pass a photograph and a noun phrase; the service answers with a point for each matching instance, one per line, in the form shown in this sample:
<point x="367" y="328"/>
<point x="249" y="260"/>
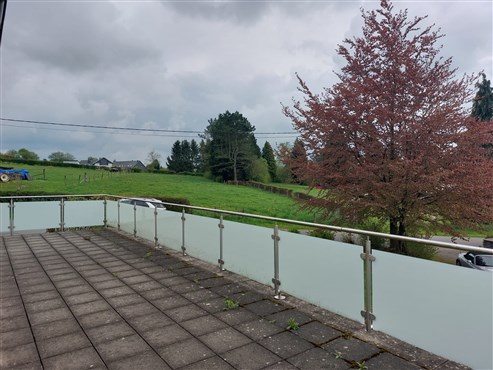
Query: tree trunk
<point x="397" y="228"/>
<point x="235" y="177"/>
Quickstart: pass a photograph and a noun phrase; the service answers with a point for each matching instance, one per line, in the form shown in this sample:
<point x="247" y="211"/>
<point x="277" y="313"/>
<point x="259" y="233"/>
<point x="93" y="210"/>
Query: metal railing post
<point x="118" y="222"/>
<point x="156" y="243"/>
<point x="221" y="257"/>
<point x="105" y="219"/>
<point x="183" y="248"/>
<point x="11" y="216"/>
<point x="368" y="260"/>
<point x="275" y="280"/>
<point x="135" y="220"/>
<point x="62" y="214"/>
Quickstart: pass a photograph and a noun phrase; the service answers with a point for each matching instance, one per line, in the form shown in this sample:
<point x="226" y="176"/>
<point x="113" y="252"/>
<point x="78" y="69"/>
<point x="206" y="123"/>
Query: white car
<point x="145" y="202"/>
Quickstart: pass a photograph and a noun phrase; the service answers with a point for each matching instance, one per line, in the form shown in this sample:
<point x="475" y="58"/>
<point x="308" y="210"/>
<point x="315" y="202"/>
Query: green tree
<point x="174" y="162"/>
<point x="153" y="160"/>
<point x="196" y="157"/>
<point x="12" y="153"/>
<point x="27" y="155"/>
<point x="92" y="160"/>
<point x="231" y="146"/>
<point x="260" y="171"/>
<point x="268" y="155"/>
<point x="482" y="107"/>
<point x="186" y="157"/>
<point x="60" y="157"/>
<point x="298" y="159"/>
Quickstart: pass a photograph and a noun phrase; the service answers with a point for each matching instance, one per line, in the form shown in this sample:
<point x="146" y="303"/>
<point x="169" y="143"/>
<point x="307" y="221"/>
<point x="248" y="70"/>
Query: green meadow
<point x="198" y="190"/>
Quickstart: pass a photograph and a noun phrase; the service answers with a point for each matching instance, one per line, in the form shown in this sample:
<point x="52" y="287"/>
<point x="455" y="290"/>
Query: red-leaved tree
<point x="393" y="139"/>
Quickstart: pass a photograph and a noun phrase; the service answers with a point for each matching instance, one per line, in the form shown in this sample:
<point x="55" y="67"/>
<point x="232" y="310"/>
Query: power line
<point x="171" y="135"/>
<point x="127" y="128"/>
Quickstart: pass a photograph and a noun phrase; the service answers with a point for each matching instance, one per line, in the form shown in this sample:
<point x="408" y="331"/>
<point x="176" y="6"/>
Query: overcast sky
<point x="175" y="65"/>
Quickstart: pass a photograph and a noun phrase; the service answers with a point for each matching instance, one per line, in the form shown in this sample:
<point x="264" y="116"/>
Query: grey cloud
<point x="73" y="37"/>
<point x="237" y="12"/>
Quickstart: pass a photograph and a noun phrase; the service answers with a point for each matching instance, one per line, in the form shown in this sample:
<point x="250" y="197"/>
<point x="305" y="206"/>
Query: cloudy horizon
<point x="175" y="65"/>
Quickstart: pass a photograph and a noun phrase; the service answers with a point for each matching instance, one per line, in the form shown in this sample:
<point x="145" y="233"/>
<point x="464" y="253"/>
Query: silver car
<point x="475" y="261"/>
<point x="145" y="202"/>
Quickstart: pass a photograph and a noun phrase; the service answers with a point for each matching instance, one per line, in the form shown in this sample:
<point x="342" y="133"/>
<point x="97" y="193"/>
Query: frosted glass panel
<point x="249" y="251"/>
<point x="169" y="229"/>
<point x="202" y="238"/>
<point x="112" y="213"/>
<point x="127" y="217"/>
<point x="445" y="309"/>
<point x="36" y="215"/>
<point x="84" y="213"/>
<point x="145" y="222"/>
<point x="4" y="218"/>
<point x="324" y="272"/>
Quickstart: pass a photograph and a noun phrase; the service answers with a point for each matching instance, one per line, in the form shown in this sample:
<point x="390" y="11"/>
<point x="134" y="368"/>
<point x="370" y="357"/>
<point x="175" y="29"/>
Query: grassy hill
<point x="198" y="190"/>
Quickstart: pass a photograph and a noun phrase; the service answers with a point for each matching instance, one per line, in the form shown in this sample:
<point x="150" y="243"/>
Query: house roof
<point x="128" y="164"/>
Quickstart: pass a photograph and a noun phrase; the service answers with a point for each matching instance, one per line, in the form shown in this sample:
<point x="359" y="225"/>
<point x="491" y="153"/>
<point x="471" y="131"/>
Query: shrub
<point x="323" y="234"/>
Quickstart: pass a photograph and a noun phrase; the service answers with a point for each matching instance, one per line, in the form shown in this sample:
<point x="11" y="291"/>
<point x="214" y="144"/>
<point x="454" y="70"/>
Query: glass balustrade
<point x="442" y="308"/>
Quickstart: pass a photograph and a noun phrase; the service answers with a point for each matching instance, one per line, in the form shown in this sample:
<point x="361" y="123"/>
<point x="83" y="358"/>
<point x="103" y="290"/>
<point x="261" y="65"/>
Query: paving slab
<point x="62" y="344"/>
<point x="166" y="335"/>
<point x="251" y="356"/>
<point x="286" y="344"/>
<point x="216" y="363"/>
<point x="107" y="333"/>
<point x="86" y="358"/>
<point x="351" y="349"/>
<point x="224" y="340"/>
<point x="122" y="347"/>
<point x="317" y="333"/>
<point x="146" y="360"/>
<point x="388" y="361"/>
<point x="317" y="358"/>
<point x="185" y="353"/>
<point x="14" y="356"/>
<point x="16" y="338"/>
<point x="258" y="329"/>
<point x="203" y="325"/>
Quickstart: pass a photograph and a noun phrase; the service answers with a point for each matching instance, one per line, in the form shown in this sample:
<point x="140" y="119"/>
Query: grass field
<point x="198" y="190"/>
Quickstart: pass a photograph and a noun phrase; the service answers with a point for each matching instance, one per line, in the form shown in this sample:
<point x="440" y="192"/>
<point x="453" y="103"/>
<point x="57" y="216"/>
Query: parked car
<point x="475" y="261"/>
<point x="145" y="202"/>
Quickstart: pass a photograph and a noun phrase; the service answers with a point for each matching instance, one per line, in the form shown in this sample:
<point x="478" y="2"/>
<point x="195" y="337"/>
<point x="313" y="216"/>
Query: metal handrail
<point x="448" y="245"/>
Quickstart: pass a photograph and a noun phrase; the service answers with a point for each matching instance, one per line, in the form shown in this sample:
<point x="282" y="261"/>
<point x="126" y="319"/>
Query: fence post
<point x="44" y="174"/>
<point x="221" y="257"/>
<point x="368" y="259"/>
<point x="62" y="214"/>
<point x="275" y="280"/>
<point x="135" y="219"/>
<point x="183" y="249"/>
<point x="118" y="222"/>
<point x="65" y="179"/>
<point x="105" y="219"/>
<point x="156" y="244"/>
<point x="11" y="216"/>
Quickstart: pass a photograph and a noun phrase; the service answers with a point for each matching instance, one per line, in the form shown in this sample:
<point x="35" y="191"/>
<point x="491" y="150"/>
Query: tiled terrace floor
<point x="100" y="300"/>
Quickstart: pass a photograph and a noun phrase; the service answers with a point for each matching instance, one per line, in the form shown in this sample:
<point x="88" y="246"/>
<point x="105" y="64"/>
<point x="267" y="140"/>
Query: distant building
<point x="129" y="165"/>
<point x="103" y="162"/>
<point x="85" y="162"/>
<point x="71" y="162"/>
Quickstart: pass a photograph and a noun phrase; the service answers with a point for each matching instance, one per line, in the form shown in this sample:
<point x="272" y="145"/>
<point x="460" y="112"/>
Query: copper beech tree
<point x="393" y="139"/>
